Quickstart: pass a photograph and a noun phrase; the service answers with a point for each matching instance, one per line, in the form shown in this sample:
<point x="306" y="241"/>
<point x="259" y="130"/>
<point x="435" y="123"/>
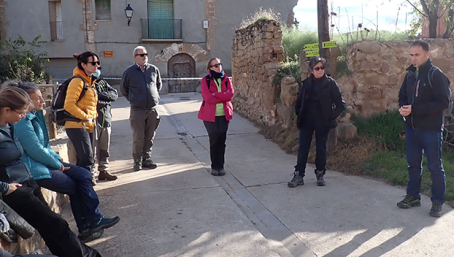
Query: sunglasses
<point x="142" y="55"/>
<point x="319" y="68"/>
<point x="217" y="65"/>
<point x="94" y="63"/>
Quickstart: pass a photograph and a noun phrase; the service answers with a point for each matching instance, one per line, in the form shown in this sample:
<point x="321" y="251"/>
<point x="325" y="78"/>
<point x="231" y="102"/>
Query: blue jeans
<point x="305" y="139"/>
<point x="428" y="142"/>
<point x="76" y="182"/>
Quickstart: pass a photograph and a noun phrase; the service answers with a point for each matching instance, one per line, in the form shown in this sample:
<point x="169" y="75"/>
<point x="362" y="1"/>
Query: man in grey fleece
<point x="140" y="84"/>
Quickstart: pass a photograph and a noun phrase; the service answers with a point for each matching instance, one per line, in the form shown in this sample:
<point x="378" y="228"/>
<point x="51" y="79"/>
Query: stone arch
<point x="195" y="51"/>
<point x="181" y="66"/>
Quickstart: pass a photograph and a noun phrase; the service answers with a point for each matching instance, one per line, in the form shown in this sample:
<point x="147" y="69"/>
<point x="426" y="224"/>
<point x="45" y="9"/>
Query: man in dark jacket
<point x="422" y="98"/>
<point x="106" y="95"/>
<point x="140" y="84"/>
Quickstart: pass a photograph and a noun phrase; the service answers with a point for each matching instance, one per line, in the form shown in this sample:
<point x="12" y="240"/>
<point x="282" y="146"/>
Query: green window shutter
<point x="160" y="19"/>
<point x="102" y="8"/>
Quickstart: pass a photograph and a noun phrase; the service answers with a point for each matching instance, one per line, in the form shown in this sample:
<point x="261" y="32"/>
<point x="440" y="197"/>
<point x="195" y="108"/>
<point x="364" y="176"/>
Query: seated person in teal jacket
<point x="50" y="172"/>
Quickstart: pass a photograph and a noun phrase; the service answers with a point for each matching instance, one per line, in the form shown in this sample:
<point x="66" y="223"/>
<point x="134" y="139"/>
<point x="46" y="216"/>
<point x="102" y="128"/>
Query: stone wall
<point x="257" y="53"/>
<point x="379" y="69"/>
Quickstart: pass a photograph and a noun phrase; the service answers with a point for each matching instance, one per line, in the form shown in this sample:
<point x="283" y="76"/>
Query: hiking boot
<point x="408" y="202"/>
<point x="137" y="164"/>
<point x="320" y="180"/>
<point x="105" y="175"/>
<point x="221" y="172"/>
<point x="296" y="180"/>
<point x="148" y="163"/>
<point x="104" y="223"/>
<point x="436" y="210"/>
<point x="87" y="236"/>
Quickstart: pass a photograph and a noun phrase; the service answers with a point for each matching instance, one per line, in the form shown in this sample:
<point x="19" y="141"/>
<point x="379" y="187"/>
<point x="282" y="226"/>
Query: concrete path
<point x="179" y="209"/>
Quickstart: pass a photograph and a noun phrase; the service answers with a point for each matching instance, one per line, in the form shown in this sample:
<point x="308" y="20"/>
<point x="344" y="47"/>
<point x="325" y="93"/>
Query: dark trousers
<point x="305" y="139"/>
<point x="76" y="182"/>
<point x="428" y="142"/>
<point x="144" y="124"/>
<point x="83" y="144"/>
<point x="217" y="133"/>
<point x="29" y="203"/>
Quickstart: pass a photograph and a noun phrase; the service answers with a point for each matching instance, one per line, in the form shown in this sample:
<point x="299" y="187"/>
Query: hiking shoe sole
<point x="295" y="185"/>
<point x="435" y="214"/>
<point x="407" y="206"/>
<point x="91" y="236"/>
<point x="105" y="226"/>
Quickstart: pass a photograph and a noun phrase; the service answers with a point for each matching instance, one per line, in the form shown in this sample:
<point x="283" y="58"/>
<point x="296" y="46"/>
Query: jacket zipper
<point x="413" y="100"/>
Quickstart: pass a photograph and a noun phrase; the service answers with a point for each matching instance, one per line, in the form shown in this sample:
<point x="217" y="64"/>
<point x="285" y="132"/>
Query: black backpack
<point x="447" y="112"/>
<point x="59" y="115"/>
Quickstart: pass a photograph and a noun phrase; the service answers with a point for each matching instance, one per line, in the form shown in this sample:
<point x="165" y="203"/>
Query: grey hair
<point x="137" y="49"/>
<point x="28" y="87"/>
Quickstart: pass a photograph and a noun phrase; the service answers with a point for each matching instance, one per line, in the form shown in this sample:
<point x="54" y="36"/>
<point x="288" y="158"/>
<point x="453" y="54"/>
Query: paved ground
<point x="179" y="209"/>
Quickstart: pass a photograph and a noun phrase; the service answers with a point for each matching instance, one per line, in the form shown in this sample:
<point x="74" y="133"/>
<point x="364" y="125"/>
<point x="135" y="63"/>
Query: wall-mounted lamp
<point x="129" y="12"/>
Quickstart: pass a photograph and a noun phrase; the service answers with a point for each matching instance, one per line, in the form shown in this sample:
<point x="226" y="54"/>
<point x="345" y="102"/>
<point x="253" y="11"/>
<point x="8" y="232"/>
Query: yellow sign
<point x="107" y="54"/>
<point x="311" y="46"/>
<point x="312" y="53"/>
<point x="329" y="44"/>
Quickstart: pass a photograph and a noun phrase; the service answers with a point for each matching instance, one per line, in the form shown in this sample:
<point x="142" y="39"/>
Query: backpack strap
<point x="83" y="89"/>
<point x="431" y="74"/>
<point x="208" y="78"/>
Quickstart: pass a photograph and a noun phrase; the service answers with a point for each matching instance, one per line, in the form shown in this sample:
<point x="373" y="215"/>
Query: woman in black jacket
<point x="318" y="105"/>
<point x="20" y="191"/>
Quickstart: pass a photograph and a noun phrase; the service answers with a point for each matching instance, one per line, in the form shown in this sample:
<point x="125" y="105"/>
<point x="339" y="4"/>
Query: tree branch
<point x="416" y="8"/>
<point x="425" y="8"/>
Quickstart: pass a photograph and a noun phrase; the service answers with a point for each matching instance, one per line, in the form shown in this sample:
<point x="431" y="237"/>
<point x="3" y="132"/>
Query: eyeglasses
<point x="94" y="63"/>
<point x="142" y="55"/>
<point x="217" y="65"/>
<point x="22" y="114"/>
<point x="319" y="68"/>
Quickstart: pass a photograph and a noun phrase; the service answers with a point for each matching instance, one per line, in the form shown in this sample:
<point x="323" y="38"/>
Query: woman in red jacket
<point x="216" y="112"/>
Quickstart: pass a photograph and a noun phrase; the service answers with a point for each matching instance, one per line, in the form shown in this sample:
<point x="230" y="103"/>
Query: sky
<point x="306" y="14"/>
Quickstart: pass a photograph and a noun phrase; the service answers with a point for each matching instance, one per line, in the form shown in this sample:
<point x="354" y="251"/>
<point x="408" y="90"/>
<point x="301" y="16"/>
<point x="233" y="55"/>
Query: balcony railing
<point x="56" y="30"/>
<point x="162" y="29"/>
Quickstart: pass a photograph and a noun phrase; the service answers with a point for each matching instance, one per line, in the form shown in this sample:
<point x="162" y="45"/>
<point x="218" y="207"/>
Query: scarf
<point x="217" y="75"/>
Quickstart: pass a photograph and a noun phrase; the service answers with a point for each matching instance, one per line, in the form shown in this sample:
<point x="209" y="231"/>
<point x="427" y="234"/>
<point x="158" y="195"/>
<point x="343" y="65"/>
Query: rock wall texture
<point x="379" y="69"/>
<point x="257" y="53"/>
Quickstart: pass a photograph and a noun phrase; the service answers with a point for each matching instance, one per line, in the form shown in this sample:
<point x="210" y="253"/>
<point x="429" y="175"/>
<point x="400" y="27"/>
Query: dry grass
<point x="349" y="156"/>
<point x="261" y="14"/>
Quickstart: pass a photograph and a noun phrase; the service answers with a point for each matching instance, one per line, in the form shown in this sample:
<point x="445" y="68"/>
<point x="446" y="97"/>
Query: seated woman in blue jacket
<point x="50" y="172"/>
<point x="20" y="191"/>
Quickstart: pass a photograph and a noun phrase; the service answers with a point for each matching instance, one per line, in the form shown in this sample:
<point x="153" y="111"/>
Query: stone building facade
<point x="193" y="30"/>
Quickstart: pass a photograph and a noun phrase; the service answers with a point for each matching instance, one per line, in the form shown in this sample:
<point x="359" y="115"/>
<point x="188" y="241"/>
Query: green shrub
<point x="386" y="128"/>
<point x="289" y="69"/>
<point x="293" y="41"/>
<point x="382" y="35"/>
<point x="20" y="60"/>
<point x="342" y="67"/>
